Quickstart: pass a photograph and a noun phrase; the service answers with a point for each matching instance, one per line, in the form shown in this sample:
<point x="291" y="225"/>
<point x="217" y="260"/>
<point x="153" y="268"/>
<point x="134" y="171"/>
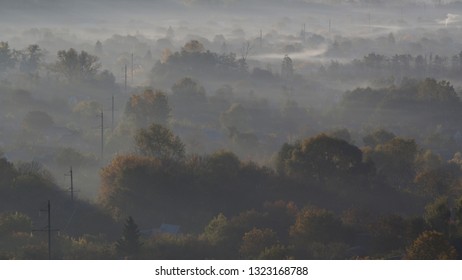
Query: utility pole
<point x="72" y="184"/>
<point x="71" y="189"/>
<point x="261" y="38"/>
<point x="125" y="75"/>
<point x="112" y="116"/>
<point x="132" y="69"/>
<point x="369" y="18"/>
<point x="102" y="135"/>
<point x="48" y="228"/>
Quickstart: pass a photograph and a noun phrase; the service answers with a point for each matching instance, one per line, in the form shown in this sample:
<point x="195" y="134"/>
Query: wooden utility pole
<point x="72" y="184"/>
<point x="48" y="228"/>
<point x="71" y="189"/>
<point x="132" y="69"/>
<point x="125" y="71"/>
<point x="369" y="19"/>
<point x="261" y="38"/>
<point x="102" y="135"/>
<point x="112" y="115"/>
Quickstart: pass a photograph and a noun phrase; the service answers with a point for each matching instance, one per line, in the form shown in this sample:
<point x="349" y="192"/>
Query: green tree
<point x="432" y="90"/>
<point x="458" y="212"/>
<point x="437" y="214"/>
<point x="127" y="185"/>
<point x="236" y="116"/>
<point x="431" y="245"/>
<point x="378" y="137"/>
<point x="7" y="173"/>
<point x="37" y="120"/>
<point x="7" y="59"/>
<point x="30" y="59"/>
<point x="77" y="67"/>
<point x="148" y="107"/>
<point x="395" y="160"/>
<point x="433" y="183"/>
<point x="320" y="158"/>
<point x="129" y="245"/>
<point x="158" y="141"/>
<point x="214" y="232"/>
<point x="87" y="109"/>
<point x="189" y="100"/>
<point x="188" y="90"/>
<point x="316" y="225"/>
<point x="287" y="68"/>
<point x="193" y="46"/>
<point x="255" y="241"/>
<point x="11" y="223"/>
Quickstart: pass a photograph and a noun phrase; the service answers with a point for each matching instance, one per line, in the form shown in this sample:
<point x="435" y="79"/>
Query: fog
<point x="195" y="112"/>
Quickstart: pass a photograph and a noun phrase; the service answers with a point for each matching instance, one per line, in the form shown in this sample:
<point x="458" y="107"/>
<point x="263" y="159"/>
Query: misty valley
<point x="231" y="129"/>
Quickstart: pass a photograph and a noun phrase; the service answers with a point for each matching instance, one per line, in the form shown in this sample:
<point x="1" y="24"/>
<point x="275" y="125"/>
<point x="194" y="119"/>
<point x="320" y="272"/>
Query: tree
<point x="37" y="120"/>
<point x="129" y="245"/>
<point x="187" y="90"/>
<point x="7" y="59"/>
<point x="87" y="109"/>
<point x="77" y="67"/>
<point x="395" y="160"/>
<point x="437" y="215"/>
<point x="158" y="141"/>
<point x="188" y="100"/>
<point x="316" y="225"/>
<point x="237" y="116"/>
<point x="214" y="232"/>
<point x="148" y="107"/>
<point x="431" y="245"/>
<point x="11" y="223"/>
<point x="287" y="68"/>
<point x="320" y="157"/>
<point x="432" y="90"/>
<point x="127" y="182"/>
<point x="378" y="137"/>
<point x="193" y="46"/>
<point x="255" y="241"/>
<point x="7" y="173"/>
<point x="221" y="169"/>
<point x="98" y="48"/>
<point x="30" y="59"/>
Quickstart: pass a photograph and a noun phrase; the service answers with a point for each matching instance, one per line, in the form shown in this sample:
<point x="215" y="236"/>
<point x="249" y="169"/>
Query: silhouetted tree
<point x="129" y="245"/>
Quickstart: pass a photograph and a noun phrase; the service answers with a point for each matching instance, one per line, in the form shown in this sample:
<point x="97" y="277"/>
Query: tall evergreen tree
<point x="129" y="245"/>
